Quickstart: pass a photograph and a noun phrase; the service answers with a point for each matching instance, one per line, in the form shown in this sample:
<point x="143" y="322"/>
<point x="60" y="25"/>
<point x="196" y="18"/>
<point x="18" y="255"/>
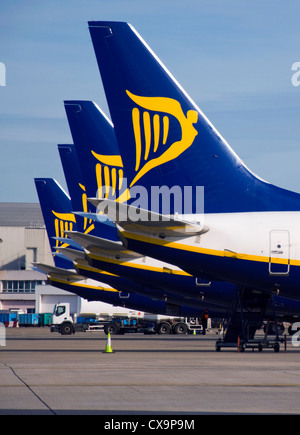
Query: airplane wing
<point x="134" y="219"/>
<point x="106" y="247"/>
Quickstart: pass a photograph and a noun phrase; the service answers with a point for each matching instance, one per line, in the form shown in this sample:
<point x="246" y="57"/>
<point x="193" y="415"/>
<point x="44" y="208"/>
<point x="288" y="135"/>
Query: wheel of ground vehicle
<point x="163" y="329"/>
<point x="180" y="328"/>
<point x="111" y="328"/>
<point x="66" y="328"/>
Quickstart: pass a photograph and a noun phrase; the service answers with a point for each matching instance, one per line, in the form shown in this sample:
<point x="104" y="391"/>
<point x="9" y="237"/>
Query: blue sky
<point x="233" y="57"/>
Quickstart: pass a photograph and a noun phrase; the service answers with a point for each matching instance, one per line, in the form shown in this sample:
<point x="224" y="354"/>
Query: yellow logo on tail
<point x="170" y="107"/>
<point x="109" y="168"/>
<point x="64" y="222"/>
<point x="110" y="177"/>
<point x="88" y="225"/>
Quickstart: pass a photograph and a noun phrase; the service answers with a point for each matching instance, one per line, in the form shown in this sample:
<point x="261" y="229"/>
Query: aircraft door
<point x="279" y="263"/>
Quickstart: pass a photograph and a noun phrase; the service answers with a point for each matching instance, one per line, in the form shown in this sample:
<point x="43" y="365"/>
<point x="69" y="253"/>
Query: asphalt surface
<point x="46" y="373"/>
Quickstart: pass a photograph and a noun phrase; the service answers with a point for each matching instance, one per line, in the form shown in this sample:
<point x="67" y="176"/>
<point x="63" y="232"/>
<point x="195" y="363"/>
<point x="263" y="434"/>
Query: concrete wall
<point x="20" y="246"/>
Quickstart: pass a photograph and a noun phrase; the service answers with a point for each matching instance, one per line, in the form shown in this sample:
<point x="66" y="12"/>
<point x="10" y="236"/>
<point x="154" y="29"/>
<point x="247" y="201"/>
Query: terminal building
<point x="23" y="241"/>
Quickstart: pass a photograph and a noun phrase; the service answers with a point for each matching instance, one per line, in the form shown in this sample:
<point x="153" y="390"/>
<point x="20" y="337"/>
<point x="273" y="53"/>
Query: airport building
<point x="23" y="240"/>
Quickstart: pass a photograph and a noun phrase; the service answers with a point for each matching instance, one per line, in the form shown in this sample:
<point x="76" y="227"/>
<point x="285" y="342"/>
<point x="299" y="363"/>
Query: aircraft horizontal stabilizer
<point x="106" y="247"/>
<point x="66" y="273"/>
<point x="94" y="217"/>
<point x="134" y="219"/>
<point x="67" y="241"/>
<point x="72" y="254"/>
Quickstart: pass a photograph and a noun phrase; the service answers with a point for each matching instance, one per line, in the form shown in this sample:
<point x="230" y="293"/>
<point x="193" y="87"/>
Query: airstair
<point x="244" y="318"/>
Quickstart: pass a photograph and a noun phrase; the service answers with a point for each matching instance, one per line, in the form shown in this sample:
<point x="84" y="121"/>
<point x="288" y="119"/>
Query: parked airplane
<point x="85" y="118"/>
<point x="248" y="231"/>
<point x="164" y="281"/>
<point x="90" y="132"/>
<point x="57" y="212"/>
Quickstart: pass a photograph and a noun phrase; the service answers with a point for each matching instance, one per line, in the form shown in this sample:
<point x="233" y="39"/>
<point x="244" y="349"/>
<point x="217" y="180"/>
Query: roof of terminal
<point x="16" y="214"/>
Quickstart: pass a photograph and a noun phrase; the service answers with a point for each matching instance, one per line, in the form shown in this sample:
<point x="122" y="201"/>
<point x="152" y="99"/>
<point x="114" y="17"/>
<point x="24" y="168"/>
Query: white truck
<point x="67" y="324"/>
<point x="64" y="322"/>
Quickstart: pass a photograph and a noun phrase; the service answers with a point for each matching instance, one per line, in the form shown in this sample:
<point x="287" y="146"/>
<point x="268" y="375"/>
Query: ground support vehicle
<point x="179" y="326"/>
<point x="250" y="342"/>
<point x="67" y="324"/>
<point x="64" y="323"/>
<point x="259" y="345"/>
<point x="68" y="328"/>
<point x="119" y="325"/>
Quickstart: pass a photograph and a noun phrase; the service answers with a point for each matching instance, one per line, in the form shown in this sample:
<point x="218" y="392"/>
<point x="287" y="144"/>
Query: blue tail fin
<point x="75" y="185"/>
<point x="73" y="175"/>
<point x="97" y="149"/>
<point x="57" y="212"/>
<point x="164" y="138"/>
<point x="77" y="191"/>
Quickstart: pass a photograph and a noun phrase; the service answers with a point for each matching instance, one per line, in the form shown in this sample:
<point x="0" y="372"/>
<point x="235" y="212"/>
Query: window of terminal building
<point x="11" y="286"/>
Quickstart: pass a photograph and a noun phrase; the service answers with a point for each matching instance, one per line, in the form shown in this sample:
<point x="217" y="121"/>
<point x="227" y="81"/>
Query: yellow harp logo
<point x="151" y="131"/>
<point x="110" y="177"/>
<point x="64" y="222"/>
<point x="166" y="108"/>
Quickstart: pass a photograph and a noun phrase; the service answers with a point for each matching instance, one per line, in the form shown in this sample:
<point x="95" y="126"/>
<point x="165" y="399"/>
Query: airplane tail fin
<point x="77" y="191"/>
<point x="97" y="149"/>
<point x="76" y="187"/>
<point x="73" y="176"/>
<point x="165" y="139"/>
<point x="57" y="212"/>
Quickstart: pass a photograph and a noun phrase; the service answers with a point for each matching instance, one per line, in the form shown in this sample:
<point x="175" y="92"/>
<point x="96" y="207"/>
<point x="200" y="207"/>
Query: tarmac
<point x="46" y="373"/>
